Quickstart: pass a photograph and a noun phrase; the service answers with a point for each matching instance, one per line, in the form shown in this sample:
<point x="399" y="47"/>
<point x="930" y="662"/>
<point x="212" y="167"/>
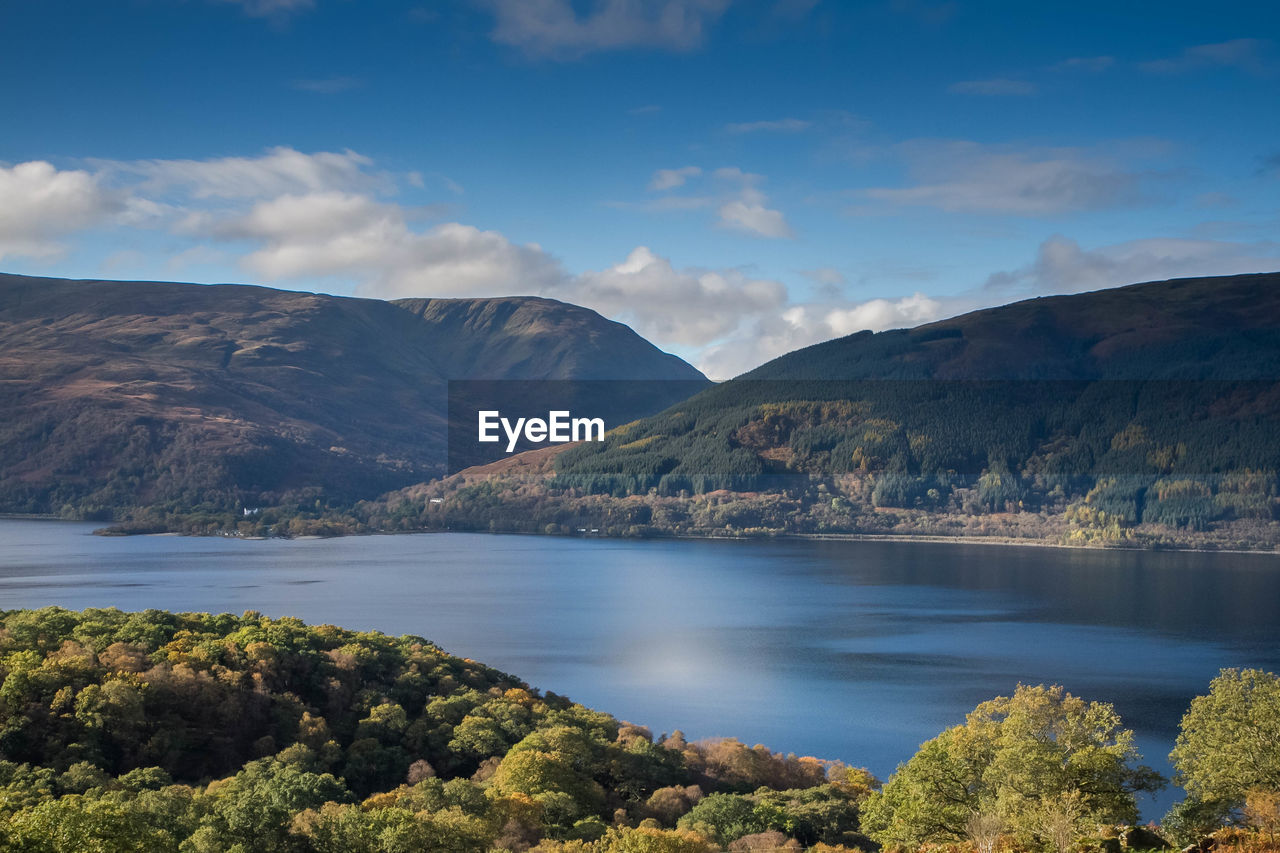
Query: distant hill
<point x="122" y="394"/>
<point x="1224" y="327"/>
<point x="1144" y="411"/>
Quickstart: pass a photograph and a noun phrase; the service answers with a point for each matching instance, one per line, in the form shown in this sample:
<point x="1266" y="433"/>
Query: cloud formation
<point x="736" y="195"/>
<point x="1091" y="64"/>
<point x="1062" y="266"/>
<point x="373" y="242"/>
<point x="669" y="179"/>
<point x="748" y="214"/>
<point x="272" y="8"/>
<point x="777" y="333"/>
<point x="688" y="307"/>
<point x="554" y="29"/>
<point x="1245" y="54"/>
<point x="39" y="204"/>
<point x="279" y="171"/>
<point x="968" y="177"/>
<point x="288" y="216"/>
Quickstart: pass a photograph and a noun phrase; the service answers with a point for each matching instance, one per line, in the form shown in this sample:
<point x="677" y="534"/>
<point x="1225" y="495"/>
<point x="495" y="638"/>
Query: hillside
<point x="1225" y="327"/>
<point x="178" y="732"/>
<point x="126" y="394"/>
<point x="158" y="731"/>
<point x="1141" y="415"/>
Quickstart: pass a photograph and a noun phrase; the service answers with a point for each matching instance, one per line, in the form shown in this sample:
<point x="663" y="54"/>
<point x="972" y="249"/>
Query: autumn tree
<point x="1229" y="742"/>
<point x="1012" y="759"/>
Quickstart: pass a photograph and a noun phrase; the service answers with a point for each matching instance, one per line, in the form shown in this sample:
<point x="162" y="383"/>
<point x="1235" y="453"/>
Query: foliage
<point x="1229" y="742"/>
<point x="1025" y="759"/>
<point x="193" y="733"/>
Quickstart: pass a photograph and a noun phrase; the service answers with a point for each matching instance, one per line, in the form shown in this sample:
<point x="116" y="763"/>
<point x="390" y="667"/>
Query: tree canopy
<point x="1230" y="739"/>
<point x="1015" y="758"/>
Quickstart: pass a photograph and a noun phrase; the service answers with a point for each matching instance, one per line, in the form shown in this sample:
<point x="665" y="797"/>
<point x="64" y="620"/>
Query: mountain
<point x="1138" y="415"/>
<point x="1225" y="327"/>
<point x="123" y="394"/>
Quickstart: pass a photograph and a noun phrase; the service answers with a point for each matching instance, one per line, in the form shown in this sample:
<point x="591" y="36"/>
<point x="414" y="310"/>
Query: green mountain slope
<point x="1151" y="409"/>
<point x="120" y="394"/>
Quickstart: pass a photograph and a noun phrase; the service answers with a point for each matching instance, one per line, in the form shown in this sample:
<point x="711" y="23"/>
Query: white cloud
<point x="667" y="179"/>
<point x="751" y="216"/>
<point x="996" y="86"/>
<point x="688" y="307"/>
<point x="1062" y="266"/>
<point x="40" y="203"/>
<point x="1245" y="54"/>
<point x="784" y="125"/>
<point x="272" y="8"/>
<point x="280" y="170"/>
<point x="797" y="326"/>
<point x="555" y="29"/>
<point x="880" y="314"/>
<point x="328" y="234"/>
<point x="288" y="216"/>
<point x="967" y="177"/>
<point x="335" y="233"/>
<point x="740" y="204"/>
<point x="1091" y="64"/>
<point x="746" y="212"/>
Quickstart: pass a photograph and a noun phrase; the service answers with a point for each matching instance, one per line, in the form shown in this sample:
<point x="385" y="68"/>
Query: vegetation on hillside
<point x="195" y="733"/>
<point x="126" y="399"/>
<point x="1145" y="415"/>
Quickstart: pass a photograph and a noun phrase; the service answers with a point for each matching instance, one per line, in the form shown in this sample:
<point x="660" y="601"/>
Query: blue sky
<point x="733" y="178"/>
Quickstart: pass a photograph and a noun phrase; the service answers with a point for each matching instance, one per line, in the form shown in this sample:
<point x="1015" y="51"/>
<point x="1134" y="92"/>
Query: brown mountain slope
<point x="119" y="394"/>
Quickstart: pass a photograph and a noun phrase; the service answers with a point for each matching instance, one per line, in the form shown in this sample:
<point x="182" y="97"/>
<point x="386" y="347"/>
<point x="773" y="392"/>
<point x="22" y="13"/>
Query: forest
<point x="195" y="733"/>
<point x="1088" y="463"/>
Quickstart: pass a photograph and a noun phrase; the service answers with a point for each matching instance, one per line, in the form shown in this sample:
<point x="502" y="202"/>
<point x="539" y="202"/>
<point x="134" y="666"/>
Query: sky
<point x="732" y="178"/>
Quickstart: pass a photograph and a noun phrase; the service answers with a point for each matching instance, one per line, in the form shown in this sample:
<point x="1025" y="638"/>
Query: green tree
<point x="1011" y="758"/>
<point x="1229" y="743"/>
<point x="254" y="807"/>
<point x="74" y="824"/>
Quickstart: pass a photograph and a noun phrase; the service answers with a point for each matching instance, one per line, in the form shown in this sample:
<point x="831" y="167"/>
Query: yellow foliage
<point x="1130" y="437"/>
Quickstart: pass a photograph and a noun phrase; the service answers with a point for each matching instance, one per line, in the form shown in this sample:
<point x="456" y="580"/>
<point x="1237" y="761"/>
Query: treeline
<point x="157" y="731"/>
<point x="1102" y="455"/>
<point x="194" y="733"/>
<point x="97" y="467"/>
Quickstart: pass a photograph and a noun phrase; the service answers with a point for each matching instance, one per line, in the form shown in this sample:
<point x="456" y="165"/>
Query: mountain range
<point x="1136" y="415"/>
<point x="187" y="396"/>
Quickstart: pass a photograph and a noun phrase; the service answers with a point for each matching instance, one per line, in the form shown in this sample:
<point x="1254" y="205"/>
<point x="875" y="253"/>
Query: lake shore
<point x="1002" y="541"/>
<point x="1009" y="540"/>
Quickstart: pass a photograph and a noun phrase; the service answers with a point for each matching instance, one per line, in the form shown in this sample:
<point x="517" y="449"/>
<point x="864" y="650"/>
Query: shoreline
<point x="1014" y="541"/>
<point x="1002" y="541"/>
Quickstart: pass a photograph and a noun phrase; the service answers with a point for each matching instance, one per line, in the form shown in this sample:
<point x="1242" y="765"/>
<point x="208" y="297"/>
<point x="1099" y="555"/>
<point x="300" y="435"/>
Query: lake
<point x="851" y="650"/>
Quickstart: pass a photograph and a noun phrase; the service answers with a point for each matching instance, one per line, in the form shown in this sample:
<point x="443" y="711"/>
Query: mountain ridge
<point x="1133" y="316"/>
<point x="130" y="393"/>
<point x="1143" y="415"/>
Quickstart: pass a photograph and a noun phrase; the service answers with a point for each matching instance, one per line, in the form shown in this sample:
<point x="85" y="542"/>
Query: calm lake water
<point x="851" y="650"/>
